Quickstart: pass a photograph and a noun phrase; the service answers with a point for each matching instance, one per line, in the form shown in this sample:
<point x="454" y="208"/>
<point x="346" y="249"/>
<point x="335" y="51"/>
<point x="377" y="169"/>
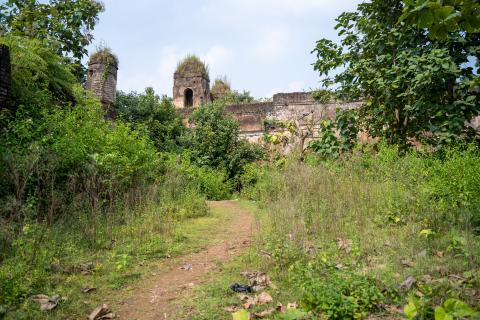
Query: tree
<point x="443" y="17"/>
<point x="156" y="113"/>
<point x="214" y="141"/>
<point x="67" y="23"/>
<point x="413" y="87"/>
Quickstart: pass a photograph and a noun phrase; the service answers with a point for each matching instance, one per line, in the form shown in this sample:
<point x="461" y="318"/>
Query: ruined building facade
<point x="191" y="84"/>
<point x="102" y="79"/>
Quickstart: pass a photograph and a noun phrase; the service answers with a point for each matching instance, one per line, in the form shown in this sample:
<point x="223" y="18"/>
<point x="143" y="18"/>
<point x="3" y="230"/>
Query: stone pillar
<point x="102" y="80"/>
<point x="5" y="79"/>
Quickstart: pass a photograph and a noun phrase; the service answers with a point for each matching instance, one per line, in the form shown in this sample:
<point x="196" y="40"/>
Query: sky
<point x="262" y="46"/>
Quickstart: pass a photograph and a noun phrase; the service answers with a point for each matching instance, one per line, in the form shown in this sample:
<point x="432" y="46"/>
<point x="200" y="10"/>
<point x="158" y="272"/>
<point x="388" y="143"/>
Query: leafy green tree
<point x="214" y="141"/>
<point x="40" y="77"/>
<point x="156" y="113"/>
<point x="442" y="17"/>
<point x="68" y="23"/>
<point x="413" y="87"/>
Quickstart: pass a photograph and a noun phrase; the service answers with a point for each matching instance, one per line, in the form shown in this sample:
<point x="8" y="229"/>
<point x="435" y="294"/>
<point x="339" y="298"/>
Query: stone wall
<point x="5" y="78"/>
<point x="257" y="118"/>
<point x="102" y="81"/>
<point x="200" y="86"/>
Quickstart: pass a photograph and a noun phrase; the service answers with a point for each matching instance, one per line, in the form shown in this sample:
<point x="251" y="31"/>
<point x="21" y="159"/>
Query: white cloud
<point x="218" y="58"/>
<point x="272" y="43"/>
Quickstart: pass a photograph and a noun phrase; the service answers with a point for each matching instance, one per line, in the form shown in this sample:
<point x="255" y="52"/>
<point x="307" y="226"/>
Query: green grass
<point x="116" y="270"/>
<point x="360" y="228"/>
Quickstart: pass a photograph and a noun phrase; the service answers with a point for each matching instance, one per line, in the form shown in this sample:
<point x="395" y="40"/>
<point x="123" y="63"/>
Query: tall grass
<point x="380" y="215"/>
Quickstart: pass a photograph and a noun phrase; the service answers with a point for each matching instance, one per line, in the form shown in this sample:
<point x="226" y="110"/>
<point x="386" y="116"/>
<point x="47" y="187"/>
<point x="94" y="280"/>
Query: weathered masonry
<point x="191" y="84"/>
<point x="102" y="79"/>
<point x="257" y="118"/>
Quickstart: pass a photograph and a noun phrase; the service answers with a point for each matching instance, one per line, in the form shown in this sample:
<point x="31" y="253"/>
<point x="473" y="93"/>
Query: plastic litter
<point x="241" y="288"/>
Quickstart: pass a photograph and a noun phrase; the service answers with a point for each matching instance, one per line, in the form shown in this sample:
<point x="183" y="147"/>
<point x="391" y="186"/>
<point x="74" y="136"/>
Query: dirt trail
<point x="157" y="297"/>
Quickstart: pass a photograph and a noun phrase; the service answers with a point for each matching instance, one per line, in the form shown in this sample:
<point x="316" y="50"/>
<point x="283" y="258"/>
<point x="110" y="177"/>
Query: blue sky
<point x="262" y="46"/>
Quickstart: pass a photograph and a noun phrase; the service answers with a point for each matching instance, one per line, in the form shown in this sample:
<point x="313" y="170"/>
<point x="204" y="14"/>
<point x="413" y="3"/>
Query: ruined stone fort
<point x="191" y="89"/>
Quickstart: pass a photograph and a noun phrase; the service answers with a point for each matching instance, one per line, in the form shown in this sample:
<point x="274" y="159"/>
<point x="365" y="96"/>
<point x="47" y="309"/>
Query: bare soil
<point x="159" y="297"/>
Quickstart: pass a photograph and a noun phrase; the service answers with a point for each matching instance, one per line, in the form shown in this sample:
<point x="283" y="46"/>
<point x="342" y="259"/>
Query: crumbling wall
<point x="5" y="78"/>
<point x="200" y="85"/>
<point x="102" y="81"/>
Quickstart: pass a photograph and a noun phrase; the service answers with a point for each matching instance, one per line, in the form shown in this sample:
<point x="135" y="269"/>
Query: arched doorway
<point x="188" y="98"/>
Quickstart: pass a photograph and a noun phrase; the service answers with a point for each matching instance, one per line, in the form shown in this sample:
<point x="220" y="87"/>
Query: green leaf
<point x="293" y="314"/>
<point x="441" y="314"/>
<point x="241" y="315"/>
<point x="410" y="310"/>
<point x="458" y="308"/>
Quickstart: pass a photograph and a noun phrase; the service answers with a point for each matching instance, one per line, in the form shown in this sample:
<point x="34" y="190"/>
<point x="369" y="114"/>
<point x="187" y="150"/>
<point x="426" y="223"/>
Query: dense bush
<point x="156" y="114"/>
<point x="214" y="142"/>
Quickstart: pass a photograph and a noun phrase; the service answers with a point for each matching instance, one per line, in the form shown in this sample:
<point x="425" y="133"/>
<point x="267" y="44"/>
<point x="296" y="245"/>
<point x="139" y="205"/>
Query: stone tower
<point x="102" y="79"/>
<point x="5" y="78"/>
<point x="191" y="83"/>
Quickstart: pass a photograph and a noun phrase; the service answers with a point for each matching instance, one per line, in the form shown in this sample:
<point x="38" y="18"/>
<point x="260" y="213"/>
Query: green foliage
<point x="346" y="124"/>
<point x="410" y="84"/>
<point x="214" y="142"/>
<point x="442" y="18"/>
<point x="67" y="24"/>
<point x="221" y="88"/>
<point x="328" y="225"/>
<point x="337" y="294"/>
<point x="327" y="146"/>
<point x="191" y="65"/>
<point x="454" y="309"/>
<point x="156" y="114"/>
<point x="40" y="78"/>
<point x="103" y="55"/>
<point x="236" y="97"/>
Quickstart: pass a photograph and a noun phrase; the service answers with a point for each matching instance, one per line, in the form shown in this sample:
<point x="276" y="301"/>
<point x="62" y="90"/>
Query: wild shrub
<point x="379" y="214"/>
<point x="334" y="293"/>
<point x="214" y="142"/>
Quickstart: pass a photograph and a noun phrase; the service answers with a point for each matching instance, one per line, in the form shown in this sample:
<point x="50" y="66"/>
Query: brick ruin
<point x="255" y="119"/>
<point x="191" y="84"/>
<point x="102" y="79"/>
<point x="5" y="79"/>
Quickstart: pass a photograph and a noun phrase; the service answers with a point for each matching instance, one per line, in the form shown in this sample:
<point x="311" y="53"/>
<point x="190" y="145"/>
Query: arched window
<point x="188" y="98"/>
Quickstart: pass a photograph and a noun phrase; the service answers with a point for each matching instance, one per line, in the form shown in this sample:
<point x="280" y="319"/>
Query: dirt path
<point x="157" y="297"/>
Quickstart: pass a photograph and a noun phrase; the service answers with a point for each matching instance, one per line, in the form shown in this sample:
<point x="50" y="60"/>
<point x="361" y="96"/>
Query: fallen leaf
<point x="264" y="298"/>
<point x="339" y="266"/>
<point x="257" y="280"/>
<point x="407" y="284"/>
<point x="46" y="303"/>
<point x="344" y="244"/>
<point x="407" y="263"/>
<point x="250" y="301"/>
<point x="439" y="254"/>
<point x="101" y="313"/>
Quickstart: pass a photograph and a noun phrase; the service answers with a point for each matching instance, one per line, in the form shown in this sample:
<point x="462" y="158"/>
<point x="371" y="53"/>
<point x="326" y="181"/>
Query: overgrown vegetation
<point x="343" y="237"/>
<point x="81" y="195"/>
<point x="191" y="65"/>
<point x="414" y="85"/>
<point x="348" y="230"/>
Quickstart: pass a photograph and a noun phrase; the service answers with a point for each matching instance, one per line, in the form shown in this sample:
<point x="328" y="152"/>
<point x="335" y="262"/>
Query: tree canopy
<point x="413" y="86"/>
